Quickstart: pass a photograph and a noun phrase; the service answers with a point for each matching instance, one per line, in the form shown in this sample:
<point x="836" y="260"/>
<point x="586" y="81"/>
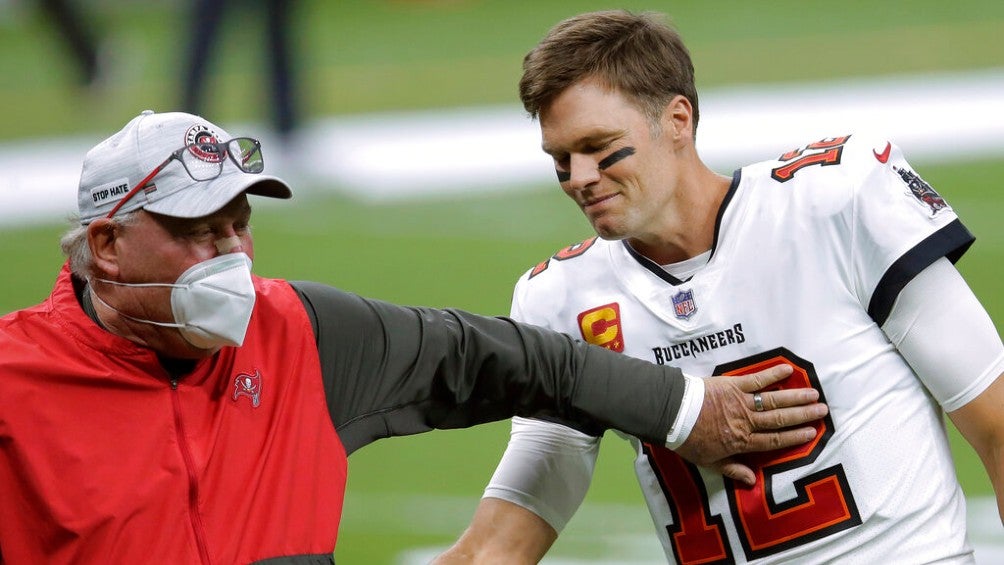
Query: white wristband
<point x="690" y="410"/>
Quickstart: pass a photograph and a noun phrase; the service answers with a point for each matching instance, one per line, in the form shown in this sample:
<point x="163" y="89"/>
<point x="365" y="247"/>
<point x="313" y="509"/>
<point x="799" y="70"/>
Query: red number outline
<point x="831" y="151"/>
<point x="697" y="536"/>
<point x="823" y="504"/>
<point x="570" y="252"/>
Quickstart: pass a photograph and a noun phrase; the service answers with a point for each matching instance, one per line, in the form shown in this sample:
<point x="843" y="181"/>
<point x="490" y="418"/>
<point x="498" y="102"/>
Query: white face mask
<point x="211" y="301"/>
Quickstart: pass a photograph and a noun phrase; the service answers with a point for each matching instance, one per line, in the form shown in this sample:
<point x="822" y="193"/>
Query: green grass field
<point x="467" y="252"/>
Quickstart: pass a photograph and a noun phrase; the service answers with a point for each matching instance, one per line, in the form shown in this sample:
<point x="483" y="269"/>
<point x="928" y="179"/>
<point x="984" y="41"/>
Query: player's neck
<point x="664" y="252"/>
<point x="689" y="228"/>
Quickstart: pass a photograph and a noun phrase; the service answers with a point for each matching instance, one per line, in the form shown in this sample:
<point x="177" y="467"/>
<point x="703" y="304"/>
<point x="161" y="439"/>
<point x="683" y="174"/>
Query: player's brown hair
<point x="639" y="55"/>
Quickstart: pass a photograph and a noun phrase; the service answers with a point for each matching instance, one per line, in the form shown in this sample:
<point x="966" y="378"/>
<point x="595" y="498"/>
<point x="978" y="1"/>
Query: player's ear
<point x="678" y="118"/>
<point x="101" y="236"/>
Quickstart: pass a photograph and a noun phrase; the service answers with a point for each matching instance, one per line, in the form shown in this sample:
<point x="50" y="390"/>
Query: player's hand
<point x="729" y="424"/>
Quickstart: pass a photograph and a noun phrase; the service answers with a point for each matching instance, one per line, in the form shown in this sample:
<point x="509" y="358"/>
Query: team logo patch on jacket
<point x="602" y="326"/>
<point x="249" y="386"/>
<point x="922" y="191"/>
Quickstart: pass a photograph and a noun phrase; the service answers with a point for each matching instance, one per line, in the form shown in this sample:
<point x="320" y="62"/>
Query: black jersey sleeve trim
<point x="951" y="241"/>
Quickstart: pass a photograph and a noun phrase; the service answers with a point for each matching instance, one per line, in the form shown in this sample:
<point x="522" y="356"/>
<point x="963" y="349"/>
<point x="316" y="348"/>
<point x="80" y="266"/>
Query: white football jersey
<point x="809" y="255"/>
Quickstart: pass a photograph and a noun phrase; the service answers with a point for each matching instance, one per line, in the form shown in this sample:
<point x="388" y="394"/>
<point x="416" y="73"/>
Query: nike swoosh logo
<point x="884" y="155"/>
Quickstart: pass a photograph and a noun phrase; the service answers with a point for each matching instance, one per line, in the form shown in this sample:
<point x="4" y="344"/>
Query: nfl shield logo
<point x="684" y="305"/>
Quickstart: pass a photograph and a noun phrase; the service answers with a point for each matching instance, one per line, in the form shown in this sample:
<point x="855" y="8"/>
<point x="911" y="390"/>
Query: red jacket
<point x="98" y="447"/>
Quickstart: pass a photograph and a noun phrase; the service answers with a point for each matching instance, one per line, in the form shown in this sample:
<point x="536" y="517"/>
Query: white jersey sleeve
<point x="904" y="238"/>
<point x="923" y="334"/>
<point x="547" y="467"/>
<point x="897" y="225"/>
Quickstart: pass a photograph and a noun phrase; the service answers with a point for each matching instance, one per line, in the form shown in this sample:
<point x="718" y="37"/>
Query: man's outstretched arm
<point x="505" y="532"/>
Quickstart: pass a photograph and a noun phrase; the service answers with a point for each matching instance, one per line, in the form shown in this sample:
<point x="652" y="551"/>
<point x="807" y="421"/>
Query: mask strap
<point x="137" y="285"/>
<point x="94" y="293"/>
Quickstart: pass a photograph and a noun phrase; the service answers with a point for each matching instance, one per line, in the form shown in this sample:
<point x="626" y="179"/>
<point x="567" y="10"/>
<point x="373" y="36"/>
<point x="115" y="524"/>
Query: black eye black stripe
<point x="612" y="158"/>
<point x="607" y="162"/>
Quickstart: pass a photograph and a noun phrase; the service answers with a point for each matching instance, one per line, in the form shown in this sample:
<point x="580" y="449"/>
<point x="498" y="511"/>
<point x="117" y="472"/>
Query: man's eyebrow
<point x="585" y="141"/>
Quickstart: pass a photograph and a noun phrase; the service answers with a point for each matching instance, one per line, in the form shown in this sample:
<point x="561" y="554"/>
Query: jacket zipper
<point x="193" y="483"/>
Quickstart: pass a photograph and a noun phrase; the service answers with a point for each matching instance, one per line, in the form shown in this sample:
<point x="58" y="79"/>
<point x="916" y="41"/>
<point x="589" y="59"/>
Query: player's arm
<point x="539" y="483"/>
<point x="956" y="351"/>
<point x="981" y="424"/>
<point x="501" y="532"/>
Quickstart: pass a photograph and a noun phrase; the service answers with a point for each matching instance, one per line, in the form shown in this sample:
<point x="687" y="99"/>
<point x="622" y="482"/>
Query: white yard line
<point x="934" y="118"/>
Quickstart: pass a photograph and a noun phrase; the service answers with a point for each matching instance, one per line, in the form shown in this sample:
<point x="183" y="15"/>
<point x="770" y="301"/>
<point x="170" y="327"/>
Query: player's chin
<point x="607" y="228"/>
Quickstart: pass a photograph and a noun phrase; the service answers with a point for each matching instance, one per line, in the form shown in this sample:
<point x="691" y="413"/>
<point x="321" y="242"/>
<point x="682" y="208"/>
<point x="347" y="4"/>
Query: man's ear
<point x="101" y="236"/>
<point x="678" y="118"/>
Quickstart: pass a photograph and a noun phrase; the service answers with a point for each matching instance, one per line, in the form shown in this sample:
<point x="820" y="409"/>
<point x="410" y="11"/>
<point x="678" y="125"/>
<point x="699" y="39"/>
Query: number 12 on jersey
<point x="823" y="504"/>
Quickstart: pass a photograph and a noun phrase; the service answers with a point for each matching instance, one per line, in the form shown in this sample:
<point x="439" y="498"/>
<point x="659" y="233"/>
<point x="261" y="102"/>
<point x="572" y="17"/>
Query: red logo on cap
<point x="201" y="142"/>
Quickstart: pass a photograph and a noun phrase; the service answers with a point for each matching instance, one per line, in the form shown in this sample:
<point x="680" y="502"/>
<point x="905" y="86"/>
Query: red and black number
<point x="823" y="153"/>
<point x="564" y="254"/>
<point x="823" y="504"/>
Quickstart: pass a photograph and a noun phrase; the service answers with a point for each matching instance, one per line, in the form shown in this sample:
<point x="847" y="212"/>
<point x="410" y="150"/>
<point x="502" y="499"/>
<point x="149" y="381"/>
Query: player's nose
<point x="584" y="172"/>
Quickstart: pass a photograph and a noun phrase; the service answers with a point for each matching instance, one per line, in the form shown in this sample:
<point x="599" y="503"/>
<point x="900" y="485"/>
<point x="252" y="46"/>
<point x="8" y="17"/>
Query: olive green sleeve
<point x="391" y="370"/>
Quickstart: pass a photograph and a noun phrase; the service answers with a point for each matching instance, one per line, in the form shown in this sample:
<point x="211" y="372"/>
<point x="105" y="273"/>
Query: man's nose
<point x="229" y="244"/>
<point x="584" y="172"/>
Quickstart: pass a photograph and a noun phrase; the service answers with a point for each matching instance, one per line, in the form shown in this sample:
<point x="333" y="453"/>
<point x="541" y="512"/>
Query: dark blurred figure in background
<point x="76" y="35"/>
<point x="206" y="18"/>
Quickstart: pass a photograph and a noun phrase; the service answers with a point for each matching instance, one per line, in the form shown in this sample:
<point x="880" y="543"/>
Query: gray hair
<point x="75" y="247"/>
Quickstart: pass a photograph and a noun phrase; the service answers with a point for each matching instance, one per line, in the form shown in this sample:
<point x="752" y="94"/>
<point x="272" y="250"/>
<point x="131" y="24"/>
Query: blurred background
<point x="418" y="178"/>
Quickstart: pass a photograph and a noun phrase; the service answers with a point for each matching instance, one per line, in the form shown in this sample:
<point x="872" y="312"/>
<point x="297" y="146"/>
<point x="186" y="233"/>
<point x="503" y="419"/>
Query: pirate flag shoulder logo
<point x="923" y="192"/>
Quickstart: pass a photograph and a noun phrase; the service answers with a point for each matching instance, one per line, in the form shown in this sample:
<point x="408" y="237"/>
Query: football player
<point x="835" y="259"/>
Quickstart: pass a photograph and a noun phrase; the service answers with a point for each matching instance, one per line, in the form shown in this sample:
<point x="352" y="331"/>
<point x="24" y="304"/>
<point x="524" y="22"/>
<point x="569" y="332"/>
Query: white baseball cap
<point x="119" y="163"/>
